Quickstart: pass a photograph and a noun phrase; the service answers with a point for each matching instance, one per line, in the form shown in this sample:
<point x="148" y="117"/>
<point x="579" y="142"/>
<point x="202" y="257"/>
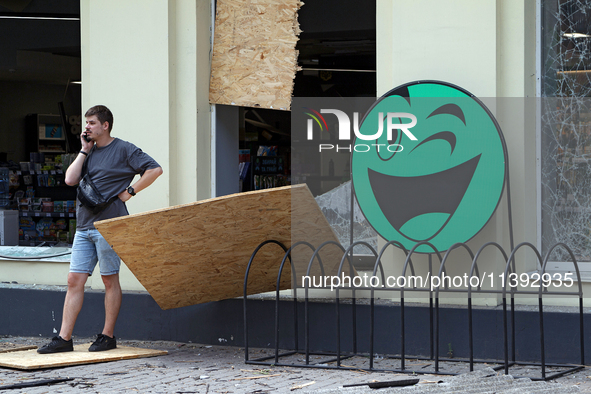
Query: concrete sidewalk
<point x="193" y="368"/>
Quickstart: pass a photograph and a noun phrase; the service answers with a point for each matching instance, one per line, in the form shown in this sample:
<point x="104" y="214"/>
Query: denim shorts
<point x="90" y="247"/>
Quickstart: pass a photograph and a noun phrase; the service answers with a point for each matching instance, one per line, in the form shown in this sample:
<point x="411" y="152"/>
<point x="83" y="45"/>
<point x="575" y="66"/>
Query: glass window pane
<point x="566" y="127"/>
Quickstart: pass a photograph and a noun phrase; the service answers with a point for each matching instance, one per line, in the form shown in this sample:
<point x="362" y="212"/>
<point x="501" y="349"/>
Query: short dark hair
<point x="103" y="114"/>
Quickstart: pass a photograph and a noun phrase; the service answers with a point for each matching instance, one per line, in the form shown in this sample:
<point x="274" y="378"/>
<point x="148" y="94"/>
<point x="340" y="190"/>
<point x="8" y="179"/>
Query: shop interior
<point x="337" y="56"/>
<point x="39" y="118"/>
<point x="40" y="108"/>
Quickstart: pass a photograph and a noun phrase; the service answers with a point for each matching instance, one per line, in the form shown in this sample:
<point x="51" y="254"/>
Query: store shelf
<point x="52" y="151"/>
<point x="47" y="214"/>
<point x="45" y="134"/>
<point x="49" y="172"/>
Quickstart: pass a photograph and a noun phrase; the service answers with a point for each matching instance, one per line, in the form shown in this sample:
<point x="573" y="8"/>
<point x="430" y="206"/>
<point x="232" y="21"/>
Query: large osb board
<point x="31" y="360"/>
<point x="198" y="252"/>
<point x="254" y="58"/>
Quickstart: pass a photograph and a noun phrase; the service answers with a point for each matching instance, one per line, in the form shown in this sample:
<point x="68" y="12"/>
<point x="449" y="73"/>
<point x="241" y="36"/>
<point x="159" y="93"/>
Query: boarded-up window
<point x="254" y="57"/>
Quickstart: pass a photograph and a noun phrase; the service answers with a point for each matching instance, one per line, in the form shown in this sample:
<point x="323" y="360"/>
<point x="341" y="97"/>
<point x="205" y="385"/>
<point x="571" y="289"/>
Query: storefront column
<point x="148" y="61"/>
<point x="486" y="48"/>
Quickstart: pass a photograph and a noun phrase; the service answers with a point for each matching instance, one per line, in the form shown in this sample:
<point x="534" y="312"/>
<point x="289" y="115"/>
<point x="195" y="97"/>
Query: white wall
<point x="125" y="67"/>
<point x="488" y="48"/>
<point x="190" y="124"/>
<point x="449" y="40"/>
<point x="140" y="58"/>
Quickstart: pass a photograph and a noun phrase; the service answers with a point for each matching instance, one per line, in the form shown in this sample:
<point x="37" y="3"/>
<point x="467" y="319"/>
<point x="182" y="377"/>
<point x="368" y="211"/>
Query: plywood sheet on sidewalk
<point x="31" y="360"/>
<point x="6" y="347"/>
<point x="254" y="58"/>
<point x="198" y="252"/>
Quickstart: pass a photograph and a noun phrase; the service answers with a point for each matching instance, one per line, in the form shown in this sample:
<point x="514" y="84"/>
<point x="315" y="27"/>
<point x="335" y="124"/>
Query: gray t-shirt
<point x="112" y="169"/>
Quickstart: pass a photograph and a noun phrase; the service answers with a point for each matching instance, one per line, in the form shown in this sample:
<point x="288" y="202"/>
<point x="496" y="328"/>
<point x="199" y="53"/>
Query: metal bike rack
<point x="338" y="355"/>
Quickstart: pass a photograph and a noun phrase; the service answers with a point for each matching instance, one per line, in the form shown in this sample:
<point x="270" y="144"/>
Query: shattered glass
<point x="336" y="207"/>
<point x="566" y="128"/>
<point x="327" y="172"/>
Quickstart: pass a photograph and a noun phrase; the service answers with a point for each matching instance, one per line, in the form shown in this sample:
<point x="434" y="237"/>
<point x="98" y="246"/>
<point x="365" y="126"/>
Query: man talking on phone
<point x="110" y="165"/>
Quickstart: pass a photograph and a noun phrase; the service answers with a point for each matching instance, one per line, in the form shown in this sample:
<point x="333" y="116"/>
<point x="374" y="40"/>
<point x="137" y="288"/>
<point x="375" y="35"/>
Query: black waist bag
<point x="90" y="197"/>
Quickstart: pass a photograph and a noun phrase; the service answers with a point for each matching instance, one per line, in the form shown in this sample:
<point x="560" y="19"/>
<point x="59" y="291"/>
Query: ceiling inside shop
<point x="337" y="34"/>
<point x="40" y="50"/>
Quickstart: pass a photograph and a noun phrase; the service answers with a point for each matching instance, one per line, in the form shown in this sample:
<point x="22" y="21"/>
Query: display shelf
<point x="47" y="172"/>
<point x="46" y="207"/>
<point x="45" y="134"/>
<point x="47" y="214"/>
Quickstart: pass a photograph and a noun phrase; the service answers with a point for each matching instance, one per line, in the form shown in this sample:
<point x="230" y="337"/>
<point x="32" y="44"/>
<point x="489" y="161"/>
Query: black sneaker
<point x="103" y="342"/>
<point x="57" y="345"/>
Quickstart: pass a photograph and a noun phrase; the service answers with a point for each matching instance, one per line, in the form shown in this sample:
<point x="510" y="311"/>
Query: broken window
<point x="566" y="127"/>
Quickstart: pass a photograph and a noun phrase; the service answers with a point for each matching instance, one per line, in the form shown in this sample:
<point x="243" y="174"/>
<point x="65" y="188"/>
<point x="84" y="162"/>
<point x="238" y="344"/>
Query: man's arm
<point x="145" y="180"/>
<point x="74" y="171"/>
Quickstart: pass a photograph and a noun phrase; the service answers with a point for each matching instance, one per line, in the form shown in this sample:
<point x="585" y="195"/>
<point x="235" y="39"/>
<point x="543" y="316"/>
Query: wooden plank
<point x="254" y="58"/>
<point x="198" y="252"/>
<point x="31" y="360"/>
<point x="6" y="347"/>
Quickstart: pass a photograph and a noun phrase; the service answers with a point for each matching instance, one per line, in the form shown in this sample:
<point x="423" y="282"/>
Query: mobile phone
<point x="86" y="138"/>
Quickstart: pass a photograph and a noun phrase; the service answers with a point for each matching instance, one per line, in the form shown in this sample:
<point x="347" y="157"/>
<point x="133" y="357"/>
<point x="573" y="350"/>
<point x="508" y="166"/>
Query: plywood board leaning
<point x="254" y="58"/>
<point x="198" y="252"/>
<point x="31" y="360"/>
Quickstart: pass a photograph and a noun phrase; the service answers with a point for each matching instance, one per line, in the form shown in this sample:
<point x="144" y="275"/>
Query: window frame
<point x="552" y="266"/>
